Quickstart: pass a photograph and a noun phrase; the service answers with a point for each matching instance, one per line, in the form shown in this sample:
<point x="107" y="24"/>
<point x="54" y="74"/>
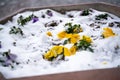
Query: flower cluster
<point x="71" y="35"/>
<point x="56" y="51"/>
<point x="8" y="59"/>
<point x="108" y="32"/>
<point x="80" y="43"/>
<point x="22" y="21"/>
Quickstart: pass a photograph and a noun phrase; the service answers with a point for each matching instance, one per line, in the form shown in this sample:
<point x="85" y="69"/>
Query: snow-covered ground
<point x="21" y="54"/>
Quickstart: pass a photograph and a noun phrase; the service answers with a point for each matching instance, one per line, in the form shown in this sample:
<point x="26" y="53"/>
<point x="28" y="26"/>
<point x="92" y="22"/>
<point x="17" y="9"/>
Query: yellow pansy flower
<point x="86" y="38"/>
<point x="62" y="34"/>
<point x="49" y="33"/>
<point x="108" y="32"/>
<point x="56" y="50"/>
<point x="53" y="52"/>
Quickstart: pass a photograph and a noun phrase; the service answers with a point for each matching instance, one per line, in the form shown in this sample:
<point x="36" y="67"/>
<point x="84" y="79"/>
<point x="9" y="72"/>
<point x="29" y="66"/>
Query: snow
<point x="29" y="49"/>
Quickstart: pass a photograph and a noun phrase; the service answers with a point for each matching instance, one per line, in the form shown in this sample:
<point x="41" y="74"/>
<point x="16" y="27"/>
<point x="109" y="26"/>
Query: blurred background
<point x="9" y="6"/>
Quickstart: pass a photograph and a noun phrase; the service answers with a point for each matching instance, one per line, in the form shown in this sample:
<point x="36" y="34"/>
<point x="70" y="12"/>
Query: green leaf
<point x="65" y="42"/>
<point x="84" y="45"/>
<point x="85" y="12"/>
<point x="22" y="21"/>
<point x="101" y="16"/>
<point x="1" y="29"/>
<point x="73" y="28"/>
<point x="15" y="30"/>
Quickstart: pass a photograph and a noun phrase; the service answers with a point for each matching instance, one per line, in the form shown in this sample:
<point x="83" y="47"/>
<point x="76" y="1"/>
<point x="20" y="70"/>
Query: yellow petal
<point x="45" y="56"/>
<point x="62" y="34"/>
<point x="108" y="32"/>
<point x="66" y="52"/>
<point x="73" y="50"/>
<point x="58" y="49"/>
<point x="104" y="62"/>
<point x="48" y="55"/>
<point x="74" y="38"/>
<point x="68" y="35"/>
<point x="52" y="54"/>
<point x="49" y="33"/>
<point x="86" y="38"/>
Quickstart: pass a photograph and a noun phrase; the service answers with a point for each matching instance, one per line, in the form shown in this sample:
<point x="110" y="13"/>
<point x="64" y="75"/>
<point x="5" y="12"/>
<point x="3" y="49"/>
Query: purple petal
<point x="50" y="14"/>
<point x="7" y="63"/>
<point x="12" y="56"/>
<point x="35" y="19"/>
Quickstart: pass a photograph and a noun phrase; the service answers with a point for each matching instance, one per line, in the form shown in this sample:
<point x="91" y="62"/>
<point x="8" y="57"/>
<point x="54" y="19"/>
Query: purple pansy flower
<point x="8" y="58"/>
<point x="49" y="13"/>
<point x="35" y="19"/>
